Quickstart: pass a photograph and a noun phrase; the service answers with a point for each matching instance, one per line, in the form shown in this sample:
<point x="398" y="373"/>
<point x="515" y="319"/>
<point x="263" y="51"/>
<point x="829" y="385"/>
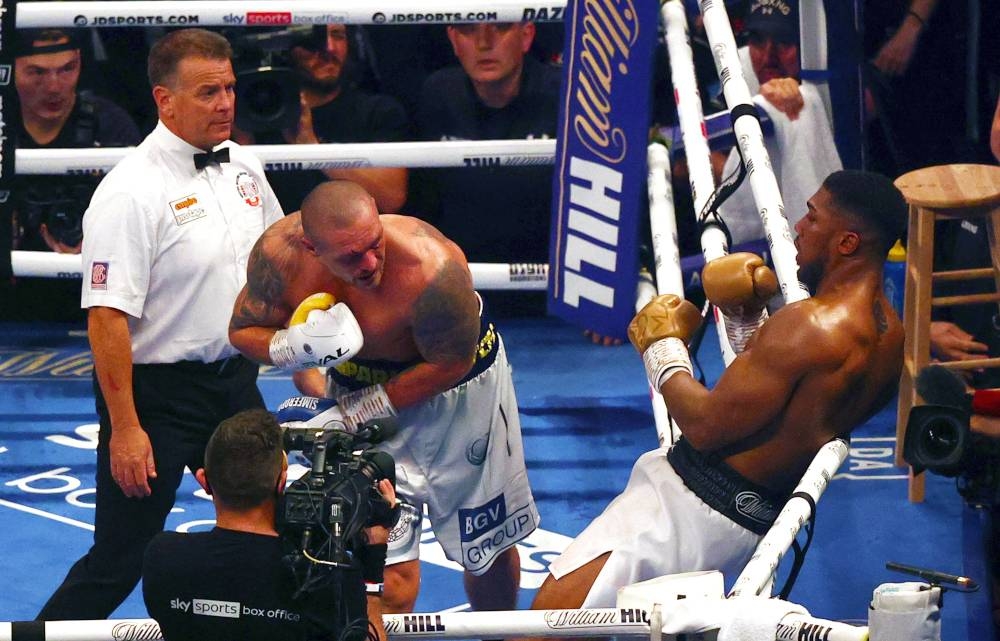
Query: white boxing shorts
<point x="657" y="526"/>
<point x="460" y="454"/>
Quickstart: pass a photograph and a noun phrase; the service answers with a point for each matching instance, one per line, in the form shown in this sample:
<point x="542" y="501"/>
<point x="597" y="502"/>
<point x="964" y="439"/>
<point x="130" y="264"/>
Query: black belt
<point x="725" y="490"/>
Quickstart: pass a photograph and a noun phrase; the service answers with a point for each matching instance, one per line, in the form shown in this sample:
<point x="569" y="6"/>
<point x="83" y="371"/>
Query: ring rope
<point x="759" y="571"/>
<point x="667" y="258"/>
<point x="750" y="138"/>
<point x="486" y="276"/>
<point x="260" y="13"/>
<point x="692" y="123"/>
<point x="449" y="153"/>
<point x="445" y="625"/>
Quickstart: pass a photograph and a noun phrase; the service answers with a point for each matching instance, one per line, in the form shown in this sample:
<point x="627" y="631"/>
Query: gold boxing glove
<point x="660" y="332"/>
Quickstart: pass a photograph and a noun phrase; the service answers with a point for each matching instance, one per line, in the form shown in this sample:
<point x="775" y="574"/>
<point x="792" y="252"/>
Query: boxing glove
<point x="740" y="285"/>
<point x="660" y="332"/>
<point x="310" y="412"/>
<point x="321" y="333"/>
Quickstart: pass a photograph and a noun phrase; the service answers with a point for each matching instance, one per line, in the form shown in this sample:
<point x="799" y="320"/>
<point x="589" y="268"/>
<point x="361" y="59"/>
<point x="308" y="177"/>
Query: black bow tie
<point x="206" y="158"/>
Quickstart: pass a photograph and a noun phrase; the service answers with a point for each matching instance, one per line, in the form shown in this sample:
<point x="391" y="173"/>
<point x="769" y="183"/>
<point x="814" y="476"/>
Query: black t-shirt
<point x="229" y="585"/>
<point x="353" y="117"/>
<point x="60" y="201"/>
<point x="496" y="214"/>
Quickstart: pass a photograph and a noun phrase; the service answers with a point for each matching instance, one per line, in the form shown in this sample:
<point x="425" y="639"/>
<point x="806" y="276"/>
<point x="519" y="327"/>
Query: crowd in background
<point x="433" y="82"/>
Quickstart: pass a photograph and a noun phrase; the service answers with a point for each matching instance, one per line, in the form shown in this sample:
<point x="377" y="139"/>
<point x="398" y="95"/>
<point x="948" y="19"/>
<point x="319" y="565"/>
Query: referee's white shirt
<point x="168" y="245"/>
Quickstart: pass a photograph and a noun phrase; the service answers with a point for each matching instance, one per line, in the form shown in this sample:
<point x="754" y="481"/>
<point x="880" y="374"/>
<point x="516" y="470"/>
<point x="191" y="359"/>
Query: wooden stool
<point x="935" y="193"/>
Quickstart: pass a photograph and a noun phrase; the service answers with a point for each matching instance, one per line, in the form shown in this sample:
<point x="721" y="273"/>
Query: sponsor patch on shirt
<point x="187" y="209"/>
<point x="99" y="275"/>
<point x="248" y="189"/>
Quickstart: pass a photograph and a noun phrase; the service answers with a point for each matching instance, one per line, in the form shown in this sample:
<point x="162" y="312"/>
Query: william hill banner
<point x="601" y="162"/>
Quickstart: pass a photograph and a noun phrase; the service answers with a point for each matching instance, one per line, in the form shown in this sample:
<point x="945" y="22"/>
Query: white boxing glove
<point x="321" y="333"/>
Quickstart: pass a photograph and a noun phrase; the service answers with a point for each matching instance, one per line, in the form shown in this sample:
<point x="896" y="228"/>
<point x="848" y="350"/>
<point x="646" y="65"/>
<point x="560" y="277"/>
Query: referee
<point x="165" y="246"/>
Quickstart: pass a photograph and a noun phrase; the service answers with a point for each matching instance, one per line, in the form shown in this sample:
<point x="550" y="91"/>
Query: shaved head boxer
<point x="386" y="304"/>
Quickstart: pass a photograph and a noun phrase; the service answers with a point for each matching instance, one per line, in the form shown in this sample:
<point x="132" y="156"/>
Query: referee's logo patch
<point x="99" y="275"/>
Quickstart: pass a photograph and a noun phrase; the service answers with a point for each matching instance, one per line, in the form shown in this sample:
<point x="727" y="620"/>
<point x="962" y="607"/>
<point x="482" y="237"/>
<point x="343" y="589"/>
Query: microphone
<point x="940" y="386"/>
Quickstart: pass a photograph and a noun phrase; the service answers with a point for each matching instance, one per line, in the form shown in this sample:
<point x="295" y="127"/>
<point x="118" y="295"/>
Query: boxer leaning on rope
<point x="812" y="372"/>
<point x="397" y="293"/>
<point x="165" y="240"/>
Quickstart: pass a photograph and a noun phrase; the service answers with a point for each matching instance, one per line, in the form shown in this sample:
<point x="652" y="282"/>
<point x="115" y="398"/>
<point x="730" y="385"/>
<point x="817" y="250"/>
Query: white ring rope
<point x="750" y="138"/>
<point x="455" y="625"/>
<point x="449" y="153"/>
<point x="223" y="13"/>
<point x="666" y="253"/>
<point x="759" y="571"/>
<point x="696" y="150"/>
<point x="487" y="276"/>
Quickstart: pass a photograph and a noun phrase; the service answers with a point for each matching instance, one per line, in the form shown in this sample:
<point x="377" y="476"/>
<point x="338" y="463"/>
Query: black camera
<point x="322" y="514"/>
<point x="267" y="88"/>
<point x="57" y="202"/>
<point x="938" y="438"/>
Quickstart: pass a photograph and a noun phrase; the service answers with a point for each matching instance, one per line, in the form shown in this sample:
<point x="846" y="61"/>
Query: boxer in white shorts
<point x="810" y="373"/>
<point x="460" y="454"/>
<point x="646" y="539"/>
<point x="385" y="302"/>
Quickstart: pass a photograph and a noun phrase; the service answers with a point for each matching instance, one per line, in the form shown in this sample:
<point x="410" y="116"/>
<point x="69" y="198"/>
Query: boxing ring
<point x="755" y="583"/>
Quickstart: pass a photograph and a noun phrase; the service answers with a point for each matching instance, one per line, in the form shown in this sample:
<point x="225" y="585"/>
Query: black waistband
<point x="360" y="372"/>
<point x="223" y="367"/>
<point x="725" y="490"/>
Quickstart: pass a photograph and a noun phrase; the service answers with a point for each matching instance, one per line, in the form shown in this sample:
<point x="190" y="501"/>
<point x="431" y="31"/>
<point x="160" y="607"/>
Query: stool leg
<point x="916" y="324"/>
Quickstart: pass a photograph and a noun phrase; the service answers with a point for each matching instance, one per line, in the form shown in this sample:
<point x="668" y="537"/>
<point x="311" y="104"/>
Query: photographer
<point x="48" y="210"/>
<point x="331" y="109"/>
<point x="233" y="582"/>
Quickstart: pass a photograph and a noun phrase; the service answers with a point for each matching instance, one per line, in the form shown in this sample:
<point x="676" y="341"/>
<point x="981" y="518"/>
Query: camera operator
<point x="233" y="582"/>
<point x="48" y="210"/>
<point x="331" y="109"/>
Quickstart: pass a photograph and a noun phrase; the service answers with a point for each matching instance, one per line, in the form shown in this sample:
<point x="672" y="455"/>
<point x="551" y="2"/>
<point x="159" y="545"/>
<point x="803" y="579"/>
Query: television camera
<point x="322" y="514"/>
<point x="267" y="87"/>
<point x="939" y="438"/>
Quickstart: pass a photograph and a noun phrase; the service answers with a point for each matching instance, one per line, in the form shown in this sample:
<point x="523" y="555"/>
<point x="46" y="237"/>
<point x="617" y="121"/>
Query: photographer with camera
<point x="326" y="108"/>
<point x="48" y="210"/>
<point x="234" y="581"/>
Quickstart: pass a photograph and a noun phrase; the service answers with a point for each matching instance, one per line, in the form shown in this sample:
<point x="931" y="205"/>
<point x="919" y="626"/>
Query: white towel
<point x="802" y="153"/>
<point x="755" y="618"/>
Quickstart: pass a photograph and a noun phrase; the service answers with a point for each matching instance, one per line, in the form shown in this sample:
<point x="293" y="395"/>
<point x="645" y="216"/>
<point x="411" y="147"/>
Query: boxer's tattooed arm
<point x="260" y="303"/>
<point x="446" y="317"/>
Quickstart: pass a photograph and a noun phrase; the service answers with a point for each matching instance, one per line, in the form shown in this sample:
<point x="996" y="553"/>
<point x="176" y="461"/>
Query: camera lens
<point x="941" y="439"/>
<point x="267" y="99"/>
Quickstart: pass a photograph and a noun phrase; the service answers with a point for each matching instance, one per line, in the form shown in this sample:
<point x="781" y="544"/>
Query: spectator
<point x="802" y="150"/>
<point x="967" y="332"/>
<point x="495" y="214"/>
<point x="334" y="110"/>
<point x="55" y="113"/>
<point x="241" y="560"/>
<point x="915" y="76"/>
<point x="167" y="238"/>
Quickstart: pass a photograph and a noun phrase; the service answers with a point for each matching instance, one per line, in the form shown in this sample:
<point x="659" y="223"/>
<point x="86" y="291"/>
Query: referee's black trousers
<point x="179" y="405"/>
